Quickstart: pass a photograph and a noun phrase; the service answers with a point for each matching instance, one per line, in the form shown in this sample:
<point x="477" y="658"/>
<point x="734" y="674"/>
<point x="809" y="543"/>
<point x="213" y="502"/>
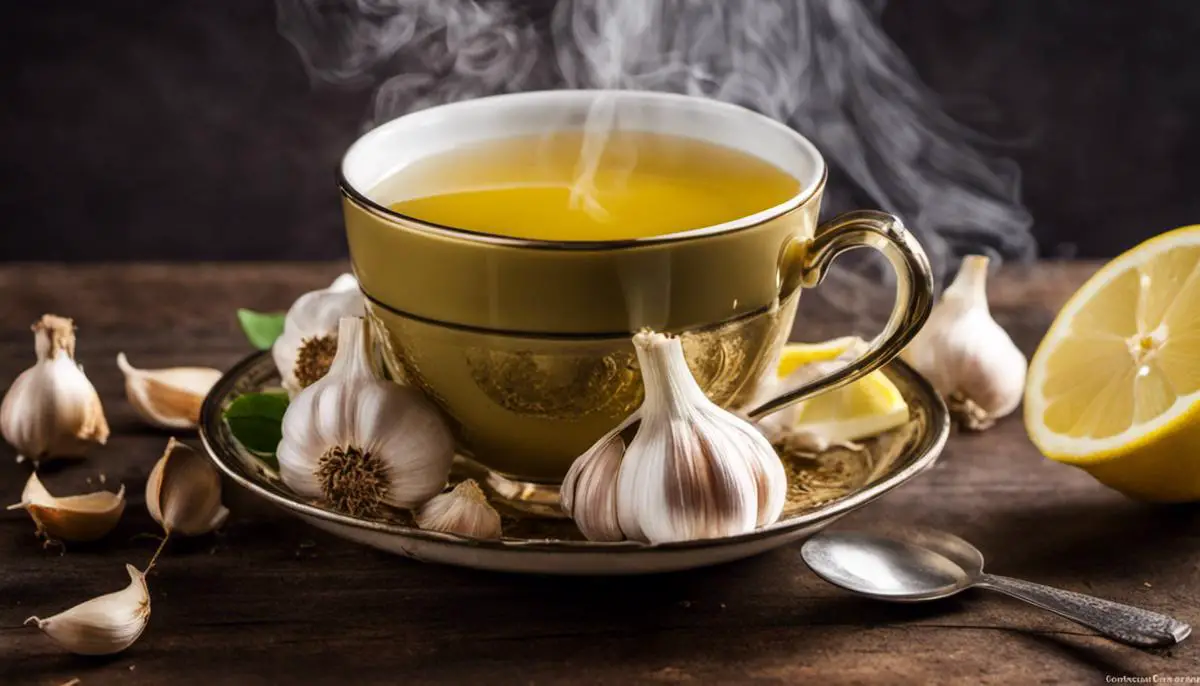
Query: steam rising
<point x="824" y="67"/>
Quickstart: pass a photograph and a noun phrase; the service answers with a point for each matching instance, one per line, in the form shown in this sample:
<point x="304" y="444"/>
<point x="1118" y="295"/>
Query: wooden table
<point x="272" y="601"/>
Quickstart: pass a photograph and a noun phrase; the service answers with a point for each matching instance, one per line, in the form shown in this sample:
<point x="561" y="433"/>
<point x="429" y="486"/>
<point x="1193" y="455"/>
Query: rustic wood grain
<point x="270" y="600"/>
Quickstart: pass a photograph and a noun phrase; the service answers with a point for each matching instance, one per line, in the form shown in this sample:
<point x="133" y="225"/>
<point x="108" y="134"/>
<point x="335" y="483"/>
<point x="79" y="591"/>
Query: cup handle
<point x="914" y="293"/>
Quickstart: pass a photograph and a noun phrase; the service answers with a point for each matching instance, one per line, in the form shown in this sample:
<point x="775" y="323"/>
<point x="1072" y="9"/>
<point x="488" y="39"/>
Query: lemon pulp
<point x="1115" y="385"/>
<point x="859" y="410"/>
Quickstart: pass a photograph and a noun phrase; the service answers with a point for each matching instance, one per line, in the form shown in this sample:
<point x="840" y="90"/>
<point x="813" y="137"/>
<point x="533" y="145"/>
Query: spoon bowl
<point x="885" y="568"/>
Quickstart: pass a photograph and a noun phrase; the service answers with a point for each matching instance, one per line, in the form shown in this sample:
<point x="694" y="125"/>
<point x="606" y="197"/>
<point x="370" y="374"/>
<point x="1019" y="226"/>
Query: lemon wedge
<point x="865" y="408"/>
<point x="1114" y="387"/>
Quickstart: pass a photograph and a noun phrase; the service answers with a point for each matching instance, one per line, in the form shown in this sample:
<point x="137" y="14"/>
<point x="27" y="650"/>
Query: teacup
<point x="526" y="343"/>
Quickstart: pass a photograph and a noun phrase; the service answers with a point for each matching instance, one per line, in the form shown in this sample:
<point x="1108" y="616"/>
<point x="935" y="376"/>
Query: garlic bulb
<point x="104" y="625"/>
<point x="85" y="517"/>
<point x="183" y="492"/>
<point x="965" y="354"/>
<point x="52" y="409"/>
<point x="692" y="470"/>
<point x="464" y="511"/>
<point x="305" y="349"/>
<point x="360" y="442"/>
<point x="167" y="398"/>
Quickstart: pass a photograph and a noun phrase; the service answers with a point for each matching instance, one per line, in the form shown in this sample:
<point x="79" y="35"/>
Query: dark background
<point x="184" y="130"/>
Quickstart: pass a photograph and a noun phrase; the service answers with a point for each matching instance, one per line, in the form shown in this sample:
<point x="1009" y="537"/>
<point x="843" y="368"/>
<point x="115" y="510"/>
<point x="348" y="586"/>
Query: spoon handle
<point x="1125" y="623"/>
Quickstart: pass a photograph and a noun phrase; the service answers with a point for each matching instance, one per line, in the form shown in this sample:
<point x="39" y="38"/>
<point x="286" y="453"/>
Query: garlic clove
<point x="52" y="410"/>
<point x="966" y="355"/>
<point x="167" y="398"/>
<point x="76" y="518"/>
<point x="360" y="443"/>
<point x="464" y="511"/>
<point x="104" y="625"/>
<point x="306" y="347"/>
<point x="183" y="492"/>
<point x="588" y="493"/>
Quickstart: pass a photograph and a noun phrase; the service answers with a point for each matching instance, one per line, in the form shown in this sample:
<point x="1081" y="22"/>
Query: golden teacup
<point x="525" y="343"/>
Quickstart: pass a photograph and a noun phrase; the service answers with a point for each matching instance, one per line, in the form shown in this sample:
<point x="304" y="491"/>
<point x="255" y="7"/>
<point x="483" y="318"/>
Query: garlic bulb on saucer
<point x="691" y="470"/>
<point x="104" y="625"/>
<point x="966" y="355"/>
<point x="359" y="442"/>
<point x="52" y="409"/>
<point x="305" y="349"/>
<point x="464" y="511"/>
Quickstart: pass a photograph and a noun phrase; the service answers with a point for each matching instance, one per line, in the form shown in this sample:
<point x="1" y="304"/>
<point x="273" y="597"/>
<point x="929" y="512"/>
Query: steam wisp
<point x="824" y="67"/>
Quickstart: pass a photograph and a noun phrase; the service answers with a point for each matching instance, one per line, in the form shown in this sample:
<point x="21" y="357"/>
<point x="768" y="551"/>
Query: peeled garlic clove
<point x="52" y="410"/>
<point x="464" y="511"/>
<point x="78" y="518"/>
<point x="167" y="398"/>
<point x="588" y="493"/>
<point x="360" y="443"/>
<point x="305" y="350"/>
<point x="183" y="492"/>
<point x="966" y="355"/>
<point x="104" y="625"/>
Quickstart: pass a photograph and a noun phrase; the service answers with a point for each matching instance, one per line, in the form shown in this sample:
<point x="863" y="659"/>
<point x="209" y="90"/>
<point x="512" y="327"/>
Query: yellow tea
<point x="568" y="187"/>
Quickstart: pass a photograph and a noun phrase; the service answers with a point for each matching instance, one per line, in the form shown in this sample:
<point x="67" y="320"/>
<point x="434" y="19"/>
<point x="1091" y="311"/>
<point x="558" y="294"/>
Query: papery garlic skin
<point x="964" y="353"/>
<point x="692" y="470"/>
<point x="167" y="398"/>
<point x="312" y="321"/>
<point x="183" y="492"/>
<point x="75" y="518"/>
<point x="104" y="625"/>
<point x="464" y="511"/>
<point x="52" y="410"/>
<point x="359" y="442"/>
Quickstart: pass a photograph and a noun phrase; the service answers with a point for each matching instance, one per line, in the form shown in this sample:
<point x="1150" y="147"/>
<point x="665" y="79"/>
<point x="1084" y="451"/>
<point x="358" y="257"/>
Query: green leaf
<point x="256" y="420"/>
<point x="262" y="328"/>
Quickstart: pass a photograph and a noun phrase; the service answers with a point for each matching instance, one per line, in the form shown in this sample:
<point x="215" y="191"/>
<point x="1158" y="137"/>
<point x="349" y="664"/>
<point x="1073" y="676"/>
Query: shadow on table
<point x="1101" y="658"/>
<point x="1092" y="541"/>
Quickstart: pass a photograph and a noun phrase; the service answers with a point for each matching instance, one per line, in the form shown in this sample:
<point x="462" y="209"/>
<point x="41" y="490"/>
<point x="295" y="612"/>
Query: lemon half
<point x="862" y="409"/>
<point x="1114" y="387"/>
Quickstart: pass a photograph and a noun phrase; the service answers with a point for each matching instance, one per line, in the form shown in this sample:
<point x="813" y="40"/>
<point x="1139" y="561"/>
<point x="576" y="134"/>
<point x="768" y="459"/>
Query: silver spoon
<point x="916" y="565"/>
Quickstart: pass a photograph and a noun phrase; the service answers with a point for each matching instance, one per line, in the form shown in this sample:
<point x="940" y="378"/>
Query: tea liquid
<point x="568" y="186"/>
